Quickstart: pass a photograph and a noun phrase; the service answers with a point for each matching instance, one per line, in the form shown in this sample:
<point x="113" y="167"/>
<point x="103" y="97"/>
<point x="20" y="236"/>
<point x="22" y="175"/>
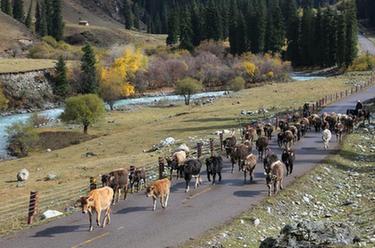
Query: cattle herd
<point x="239" y="151"/>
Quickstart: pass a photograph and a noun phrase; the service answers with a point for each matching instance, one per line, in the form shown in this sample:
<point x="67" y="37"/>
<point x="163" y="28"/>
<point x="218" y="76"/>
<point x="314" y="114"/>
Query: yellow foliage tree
<point x="115" y="78"/>
<point x="250" y="68"/>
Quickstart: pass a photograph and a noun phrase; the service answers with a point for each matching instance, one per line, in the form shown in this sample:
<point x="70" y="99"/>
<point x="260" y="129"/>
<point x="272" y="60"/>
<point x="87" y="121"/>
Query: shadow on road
<point x="52" y="231"/>
<point x="247" y="193"/>
<point x="132" y="209"/>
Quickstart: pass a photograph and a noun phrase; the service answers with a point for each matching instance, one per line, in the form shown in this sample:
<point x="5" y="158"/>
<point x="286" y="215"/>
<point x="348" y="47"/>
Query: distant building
<point x="83" y="23"/>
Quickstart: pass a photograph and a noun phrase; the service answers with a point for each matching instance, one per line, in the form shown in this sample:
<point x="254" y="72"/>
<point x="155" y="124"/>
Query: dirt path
<point x="187" y="216"/>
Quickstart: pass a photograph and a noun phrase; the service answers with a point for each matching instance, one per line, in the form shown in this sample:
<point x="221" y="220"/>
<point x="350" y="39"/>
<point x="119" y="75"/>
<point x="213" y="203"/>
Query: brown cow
<point x="96" y="201"/>
<point x="275" y="176"/>
<point x="118" y="180"/>
<point x="249" y="165"/>
<point x="159" y="189"/>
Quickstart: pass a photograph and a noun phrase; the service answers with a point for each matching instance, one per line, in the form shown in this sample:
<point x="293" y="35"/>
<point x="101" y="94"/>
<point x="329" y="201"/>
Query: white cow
<point x="327" y="135"/>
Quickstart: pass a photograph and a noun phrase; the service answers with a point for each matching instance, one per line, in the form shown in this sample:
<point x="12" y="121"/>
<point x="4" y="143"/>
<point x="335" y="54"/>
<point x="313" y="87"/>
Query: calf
<point x="248" y="166"/>
<point x="192" y="168"/>
<point x="96" y="201"/>
<point x="288" y="157"/>
<point x="176" y="163"/>
<point x="339" y="130"/>
<point x="159" y="189"/>
<point x="268" y="129"/>
<point x="261" y="145"/>
<point x="275" y="177"/>
<point x="326" y="137"/>
<point x="137" y="177"/>
<point x="288" y="138"/>
<point x="118" y="180"/>
<point x="229" y="144"/>
<point x="214" y="166"/>
<point x="268" y="161"/>
<point x="239" y="153"/>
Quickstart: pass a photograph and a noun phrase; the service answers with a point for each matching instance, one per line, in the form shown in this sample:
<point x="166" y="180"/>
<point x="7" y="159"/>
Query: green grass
<point x="123" y="136"/>
<point x="22" y="65"/>
<point x="325" y="195"/>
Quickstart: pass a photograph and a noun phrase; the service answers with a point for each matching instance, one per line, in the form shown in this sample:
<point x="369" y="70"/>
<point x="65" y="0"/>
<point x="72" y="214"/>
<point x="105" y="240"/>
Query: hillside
<point x="103" y="30"/>
<point x="14" y="37"/>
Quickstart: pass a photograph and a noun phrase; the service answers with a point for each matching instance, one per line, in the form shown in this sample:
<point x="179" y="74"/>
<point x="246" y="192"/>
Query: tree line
<point x="48" y="16"/>
<point x="366" y="10"/>
<point x="307" y="36"/>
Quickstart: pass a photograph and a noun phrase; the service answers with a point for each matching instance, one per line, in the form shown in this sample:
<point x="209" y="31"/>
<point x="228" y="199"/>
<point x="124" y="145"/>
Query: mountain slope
<point x="14" y="36"/>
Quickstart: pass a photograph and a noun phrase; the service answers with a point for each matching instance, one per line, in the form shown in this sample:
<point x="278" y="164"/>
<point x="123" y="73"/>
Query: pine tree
<point x="48" y="15"/>
<point x="275" y="28"/>
<point x="173" y="28"/>
<point x="28" y="19"/>
<point x="6" y="7"/>
<point x="307" y="37"/>
<point x="18" y="12"/>
<point x="332" y="36"/>
<point x="196" y="25"/>
<point x="258" y="44"/>
<point x="292" y="23"/>
<point x="57" y="20"/>
<point x="233" y="31"/>
<point x="319" y="34"/>
<point x="351" y="49"/>
<point x="61" y="82"/>
<point x="213" y="26"/>
<point x="88" y="71"/>
<point x="128" y="15"/>
<point x="137" y="16"/>
<point x="341" y="39"/>
<point x="41" y="21"/>
<point x="186" y="32"/>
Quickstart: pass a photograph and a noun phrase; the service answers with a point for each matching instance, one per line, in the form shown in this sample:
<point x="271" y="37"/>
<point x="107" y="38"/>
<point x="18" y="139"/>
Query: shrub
<point x="83" y="109"/>
<point x="187" y="87"/>
<point x="22" y="136"/>
<point x="363" y="63"/>
<point x="50" y="41"/>
<point x="38" y="120"/>
<point x="237" y="84"/>
<point x="3" y="100"/>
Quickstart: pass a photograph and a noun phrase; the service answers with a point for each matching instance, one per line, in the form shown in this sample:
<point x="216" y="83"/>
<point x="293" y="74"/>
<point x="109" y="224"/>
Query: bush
<point x="51" y="41"/>
<point x="38" y="120"/>
<point x="3" y="100"/>
<point x="83" y="109"/>
<point x="187" y="87"/>
<point x="51" y="49"/>
<point x="237" y="84"/>
<point x="22" y="136"/>
<point x="363" y="63"/>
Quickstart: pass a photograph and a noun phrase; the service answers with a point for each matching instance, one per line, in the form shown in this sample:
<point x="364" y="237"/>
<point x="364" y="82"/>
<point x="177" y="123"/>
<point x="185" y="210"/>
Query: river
<point x="53" y="114"/>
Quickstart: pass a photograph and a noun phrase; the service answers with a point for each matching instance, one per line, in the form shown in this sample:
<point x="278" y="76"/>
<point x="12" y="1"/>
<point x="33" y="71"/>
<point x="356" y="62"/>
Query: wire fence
<point x="14" y="213"/>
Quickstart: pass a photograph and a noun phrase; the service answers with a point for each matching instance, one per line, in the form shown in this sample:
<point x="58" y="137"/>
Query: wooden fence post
<point x="211" y="146"/>
<point x="161" y="167"/>
<point x="33" y="206"/>
<point x="221" y="135"/>
<point x="92" y="183"/>
<point x="199" y="150"/>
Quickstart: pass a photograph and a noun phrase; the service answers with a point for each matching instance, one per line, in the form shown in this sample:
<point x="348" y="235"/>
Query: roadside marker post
<point x="33" y="206"/>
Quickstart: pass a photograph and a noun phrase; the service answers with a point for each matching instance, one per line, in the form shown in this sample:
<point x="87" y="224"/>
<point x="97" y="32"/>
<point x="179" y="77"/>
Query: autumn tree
<point x="84" y="110"/>
<point x="187" y="87"/>
<point x="115" y="79"/>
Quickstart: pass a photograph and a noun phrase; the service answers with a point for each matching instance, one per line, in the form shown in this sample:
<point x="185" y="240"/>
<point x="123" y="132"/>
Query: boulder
<point x="311" y="234"/>
<point x="167" y="141"/>
<point x="23" y="175"/>
<point x="51" y="176"/>
<point x="51" y="214"/>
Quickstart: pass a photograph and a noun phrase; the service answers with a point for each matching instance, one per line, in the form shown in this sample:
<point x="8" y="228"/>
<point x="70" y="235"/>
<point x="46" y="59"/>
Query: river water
<point x="53" y="114"/>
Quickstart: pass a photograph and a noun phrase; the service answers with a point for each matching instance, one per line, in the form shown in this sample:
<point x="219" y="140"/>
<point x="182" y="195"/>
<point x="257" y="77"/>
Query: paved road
<point x="187" y="216"/>
<point x="366" y="44"/>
